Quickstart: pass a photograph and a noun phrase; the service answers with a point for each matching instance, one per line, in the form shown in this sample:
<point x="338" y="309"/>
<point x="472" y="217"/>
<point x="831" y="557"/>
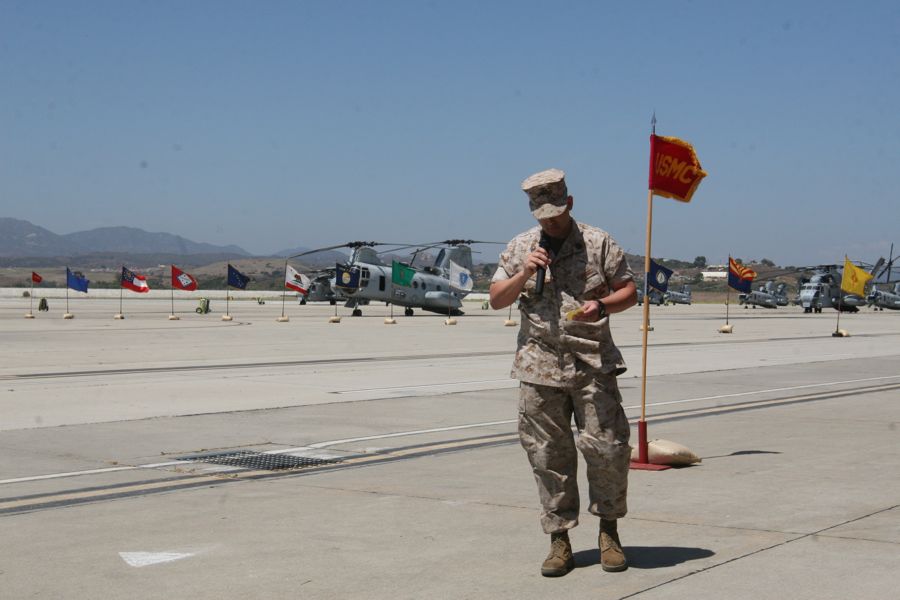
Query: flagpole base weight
<point x="841" y="333"/>
<point x="29" y="315"/>
<point x="390" y="321"/>
<point x="726" y="328"/>
<point x="334" y="319"/>
<point x="282" y="319"/>
<point x="509" y="323"/>
<point x="639" y="466"/>
<point x="648" y="329"/>
<point x="119" y="317"/>
<point x="227" y="318"/>
<point x="450" y="321"/>
<point x="68" y="316"/>
<point x="174" y="318"/>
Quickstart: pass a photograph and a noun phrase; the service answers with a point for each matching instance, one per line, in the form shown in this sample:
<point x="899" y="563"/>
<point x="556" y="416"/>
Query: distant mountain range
<point x="19" y="239"/>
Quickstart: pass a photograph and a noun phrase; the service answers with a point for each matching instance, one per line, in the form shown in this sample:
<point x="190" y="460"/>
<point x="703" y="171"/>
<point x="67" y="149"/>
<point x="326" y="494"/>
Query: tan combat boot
<point x="612" y="557"/>
<point x="560" y="560"/>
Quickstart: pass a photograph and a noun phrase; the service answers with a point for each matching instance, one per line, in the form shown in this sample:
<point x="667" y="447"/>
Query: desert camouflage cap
<point x="547" y="193"/>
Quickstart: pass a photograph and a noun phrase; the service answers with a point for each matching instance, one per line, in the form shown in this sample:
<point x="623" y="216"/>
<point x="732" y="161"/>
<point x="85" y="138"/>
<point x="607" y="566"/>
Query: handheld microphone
<point x="541" y="273"/>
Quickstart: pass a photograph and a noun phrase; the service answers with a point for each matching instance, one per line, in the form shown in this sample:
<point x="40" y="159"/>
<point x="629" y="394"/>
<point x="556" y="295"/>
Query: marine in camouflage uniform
<point x="568" y="367"/>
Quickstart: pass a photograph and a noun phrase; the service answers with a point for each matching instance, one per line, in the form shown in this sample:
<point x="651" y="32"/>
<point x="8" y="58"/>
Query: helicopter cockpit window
<point x="415" y="284"/>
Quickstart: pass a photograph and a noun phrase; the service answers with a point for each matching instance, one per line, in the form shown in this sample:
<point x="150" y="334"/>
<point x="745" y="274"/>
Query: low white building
<point x="710" y="275"/>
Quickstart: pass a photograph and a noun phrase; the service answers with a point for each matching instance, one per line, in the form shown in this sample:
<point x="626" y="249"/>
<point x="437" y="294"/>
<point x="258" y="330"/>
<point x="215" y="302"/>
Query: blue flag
<point x="346" y="277"/>
<point x="76" y="281"/>
<point x="236" y="278"/>
<point x="659" y="276"/>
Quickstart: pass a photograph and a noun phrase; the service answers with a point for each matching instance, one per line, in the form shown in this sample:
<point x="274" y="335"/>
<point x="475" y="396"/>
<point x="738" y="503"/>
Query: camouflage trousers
<point x="545" y="431"/>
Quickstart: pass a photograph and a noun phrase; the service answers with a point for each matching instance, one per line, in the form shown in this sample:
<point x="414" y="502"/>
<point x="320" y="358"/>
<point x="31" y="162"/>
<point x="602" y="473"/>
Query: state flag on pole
<point x="183" y="281"/>
<point x="460" y="277"/>
<point x="675" y="170"/>
<point x="740" y="277"/>
<point x="658" y="276"/>
<point x="134" y="282"/>
<point x="35" y="278"/>
<point x="236" y="278"/>
<point x="76" y="281"/>
<point x="854" y="279"/>
<point x="346" y="277"/>
<point x="402" y="274"/>
<point x="294" y="280"/>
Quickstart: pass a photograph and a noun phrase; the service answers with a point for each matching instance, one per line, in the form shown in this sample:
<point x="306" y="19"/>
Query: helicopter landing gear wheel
<point x="408" y="312"/>
<point x="357" y="312"/>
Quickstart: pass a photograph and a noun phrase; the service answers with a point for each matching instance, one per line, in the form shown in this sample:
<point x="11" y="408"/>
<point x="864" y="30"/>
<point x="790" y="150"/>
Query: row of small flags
<point x="136" y="282"/>
<point x="740" y="277"/>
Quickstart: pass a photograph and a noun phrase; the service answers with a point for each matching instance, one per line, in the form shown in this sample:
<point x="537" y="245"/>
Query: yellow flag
<point x="855" y="279"/>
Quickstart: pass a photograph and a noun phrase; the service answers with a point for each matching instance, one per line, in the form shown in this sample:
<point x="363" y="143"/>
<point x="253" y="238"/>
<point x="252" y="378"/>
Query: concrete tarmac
<point x="409" y="480"/>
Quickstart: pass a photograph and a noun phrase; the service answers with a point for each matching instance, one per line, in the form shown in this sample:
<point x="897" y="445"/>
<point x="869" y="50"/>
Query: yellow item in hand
<point x="574" y="313"/>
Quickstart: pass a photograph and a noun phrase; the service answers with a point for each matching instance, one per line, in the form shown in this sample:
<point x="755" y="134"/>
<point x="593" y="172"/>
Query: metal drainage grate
<point x="259" y="461"/>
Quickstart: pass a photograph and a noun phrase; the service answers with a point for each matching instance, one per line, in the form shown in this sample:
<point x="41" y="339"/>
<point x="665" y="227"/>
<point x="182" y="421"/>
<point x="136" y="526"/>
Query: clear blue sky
<point x="277" y="124"/>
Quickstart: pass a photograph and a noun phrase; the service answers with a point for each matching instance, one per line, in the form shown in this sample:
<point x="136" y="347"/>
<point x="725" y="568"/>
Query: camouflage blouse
<point x="551" y="350"/>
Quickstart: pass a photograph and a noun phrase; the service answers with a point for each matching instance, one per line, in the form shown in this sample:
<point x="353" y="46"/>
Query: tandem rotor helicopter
<point x="437" y="287"/>
<point x="767" y="296"/>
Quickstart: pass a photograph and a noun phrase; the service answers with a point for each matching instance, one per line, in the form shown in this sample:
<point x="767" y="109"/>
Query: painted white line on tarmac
<point x="783" y="389"/>
<point x="145" y="559"/>
<point x="319" y="445"/>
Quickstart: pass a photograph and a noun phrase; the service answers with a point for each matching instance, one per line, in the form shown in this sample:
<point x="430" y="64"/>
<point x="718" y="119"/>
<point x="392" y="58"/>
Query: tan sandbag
<point x="666" y="452"/>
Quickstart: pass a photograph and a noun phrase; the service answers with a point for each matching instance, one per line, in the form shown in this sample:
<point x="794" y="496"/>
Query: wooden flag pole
<point x="284" y="289"/>
<point x="121" y="314"/>
<point x="282" y="318"/>
<point x="642" y="424"/>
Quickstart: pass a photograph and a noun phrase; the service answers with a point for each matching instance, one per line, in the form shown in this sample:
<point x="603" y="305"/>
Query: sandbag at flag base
<point x="134" y="282"/>
<point x="295" y="280"/>
<point x="183" y="281"/>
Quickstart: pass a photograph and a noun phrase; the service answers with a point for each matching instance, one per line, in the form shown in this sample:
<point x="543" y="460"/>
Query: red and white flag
<point x="183" y="281"/>
<point x="134" y="282"/>
<point x="294" y="280"/>
<point x="35" y="278"/>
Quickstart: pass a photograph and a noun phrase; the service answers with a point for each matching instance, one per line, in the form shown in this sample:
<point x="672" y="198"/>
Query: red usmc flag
<point x="675" y="170"/>
<point x="36" y="278"/>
